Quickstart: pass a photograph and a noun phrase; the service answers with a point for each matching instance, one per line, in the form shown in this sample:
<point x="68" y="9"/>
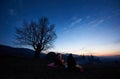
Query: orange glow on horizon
<point x="100" y="53"/>
<point x="94" y="53"/>
<point x="107" y="54"/>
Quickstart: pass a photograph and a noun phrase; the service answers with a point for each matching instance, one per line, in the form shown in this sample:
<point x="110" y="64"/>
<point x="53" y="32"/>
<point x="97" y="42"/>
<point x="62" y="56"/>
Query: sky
<point x="82" y="26"/>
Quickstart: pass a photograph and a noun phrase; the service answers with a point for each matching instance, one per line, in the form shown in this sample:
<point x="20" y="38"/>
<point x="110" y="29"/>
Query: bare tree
<point x="40" y="35"/>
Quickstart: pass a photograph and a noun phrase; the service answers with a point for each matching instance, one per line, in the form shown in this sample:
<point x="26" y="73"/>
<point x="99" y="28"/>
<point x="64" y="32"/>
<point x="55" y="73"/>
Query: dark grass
<point x="26" y="68"/>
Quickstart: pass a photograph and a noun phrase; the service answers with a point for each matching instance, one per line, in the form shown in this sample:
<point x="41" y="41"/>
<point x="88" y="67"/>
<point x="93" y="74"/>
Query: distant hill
<point x="20" y="52"/>
<point x="24" y="52"/>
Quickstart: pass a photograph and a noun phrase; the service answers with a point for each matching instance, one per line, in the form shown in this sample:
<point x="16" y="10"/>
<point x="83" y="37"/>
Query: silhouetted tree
<point x="40" y="35"/>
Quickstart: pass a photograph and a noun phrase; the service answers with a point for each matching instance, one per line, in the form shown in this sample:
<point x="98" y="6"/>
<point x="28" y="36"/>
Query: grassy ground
<point x="24" y="68"/>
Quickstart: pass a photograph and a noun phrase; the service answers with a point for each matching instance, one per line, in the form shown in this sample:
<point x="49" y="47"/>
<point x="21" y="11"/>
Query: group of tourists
<point x="70" y="64"/>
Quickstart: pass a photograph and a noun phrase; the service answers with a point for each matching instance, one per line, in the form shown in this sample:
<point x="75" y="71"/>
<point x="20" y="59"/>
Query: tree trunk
<point x="37" y="54"/>
<point x="37" y="51"/>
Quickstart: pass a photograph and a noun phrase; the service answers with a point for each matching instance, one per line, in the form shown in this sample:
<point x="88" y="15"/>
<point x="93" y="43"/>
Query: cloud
<point x="96" y="23"/>
<point x="87" y="17"/>
<point x="100" y="20"/>
<point x="90" y="24"/>
<point x="115" y="13"/>
<point x="12" y="12"/>
<point x="117" y="41"/>
<point x="73" y="18"/>
<point x="76" y="21"/>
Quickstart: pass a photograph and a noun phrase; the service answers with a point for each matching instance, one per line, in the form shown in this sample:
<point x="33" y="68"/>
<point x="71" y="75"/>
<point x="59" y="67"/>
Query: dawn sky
<point x="82" y="26"/>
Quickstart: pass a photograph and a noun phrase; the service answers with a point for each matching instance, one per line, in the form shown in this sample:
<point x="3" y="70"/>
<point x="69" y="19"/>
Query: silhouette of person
<point x="59" y="61"/>
<point x="71" y="62"/>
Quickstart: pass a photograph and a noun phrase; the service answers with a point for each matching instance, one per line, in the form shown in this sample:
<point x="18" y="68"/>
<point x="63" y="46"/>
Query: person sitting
<point x="71" y="63"/>
<point x="59" y="61"/>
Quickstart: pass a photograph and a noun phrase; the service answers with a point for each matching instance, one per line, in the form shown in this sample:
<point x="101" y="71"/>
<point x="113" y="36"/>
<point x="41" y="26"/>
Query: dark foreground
<point x="25" y="68"/>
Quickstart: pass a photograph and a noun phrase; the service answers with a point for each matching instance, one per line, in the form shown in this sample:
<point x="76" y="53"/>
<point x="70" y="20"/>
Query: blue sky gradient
<point x="82" y="26"/>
